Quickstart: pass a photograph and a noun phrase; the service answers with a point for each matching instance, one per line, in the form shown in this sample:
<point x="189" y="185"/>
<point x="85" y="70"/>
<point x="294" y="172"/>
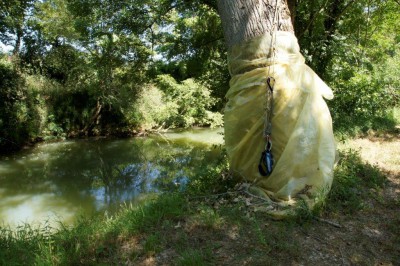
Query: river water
<point x="60" y="181"/>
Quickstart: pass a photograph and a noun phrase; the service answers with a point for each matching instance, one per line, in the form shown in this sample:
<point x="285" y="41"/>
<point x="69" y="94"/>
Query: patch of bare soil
<point x="370" y="237"/>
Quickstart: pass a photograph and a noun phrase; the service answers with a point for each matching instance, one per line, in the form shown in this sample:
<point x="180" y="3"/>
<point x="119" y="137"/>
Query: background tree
<point x="349" y="44"/>
<point x="88" y="66"/>
<point x="243" y="20"/>
<point x="13" y="17"/>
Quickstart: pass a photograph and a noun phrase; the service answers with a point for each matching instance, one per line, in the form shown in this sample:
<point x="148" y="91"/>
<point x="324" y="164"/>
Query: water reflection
<point x="81" y="177"/>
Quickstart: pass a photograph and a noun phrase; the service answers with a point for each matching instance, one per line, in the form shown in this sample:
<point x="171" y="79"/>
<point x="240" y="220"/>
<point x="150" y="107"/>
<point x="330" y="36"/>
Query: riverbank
<point x="37" y="108"/>
<point x="357" y="224"/>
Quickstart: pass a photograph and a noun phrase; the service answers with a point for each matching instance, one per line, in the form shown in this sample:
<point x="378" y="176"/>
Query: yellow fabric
<point x="302" y="139"/>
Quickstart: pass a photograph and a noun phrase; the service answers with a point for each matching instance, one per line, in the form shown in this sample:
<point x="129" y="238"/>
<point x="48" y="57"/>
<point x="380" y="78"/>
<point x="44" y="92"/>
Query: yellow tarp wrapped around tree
<point x="303" y="144"/>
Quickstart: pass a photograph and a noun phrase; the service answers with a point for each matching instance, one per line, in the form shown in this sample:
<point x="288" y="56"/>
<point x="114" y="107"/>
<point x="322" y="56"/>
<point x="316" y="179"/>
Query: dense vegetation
<point x="95" y="67"/>
<point x="83" y="68"/>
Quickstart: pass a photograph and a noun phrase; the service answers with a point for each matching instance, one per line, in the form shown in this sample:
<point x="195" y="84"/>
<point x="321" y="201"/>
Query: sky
<point x="5" y="48"/>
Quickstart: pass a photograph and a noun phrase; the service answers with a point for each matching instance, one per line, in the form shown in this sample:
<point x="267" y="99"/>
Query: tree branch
<point x="344" y="9"/>
<point x="313" y="19"/>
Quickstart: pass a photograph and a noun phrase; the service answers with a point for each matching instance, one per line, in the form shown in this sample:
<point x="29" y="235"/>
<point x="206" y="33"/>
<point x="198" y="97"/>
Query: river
<point x="58" y="182"/>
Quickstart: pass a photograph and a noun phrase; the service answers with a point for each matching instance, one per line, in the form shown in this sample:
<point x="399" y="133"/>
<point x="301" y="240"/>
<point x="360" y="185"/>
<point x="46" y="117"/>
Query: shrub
<point x="190" y="103"/>
<point x="19" y="116"/>
<point x="362" y="102"/>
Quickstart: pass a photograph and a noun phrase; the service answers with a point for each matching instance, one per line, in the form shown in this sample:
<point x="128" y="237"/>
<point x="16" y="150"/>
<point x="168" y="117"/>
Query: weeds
<point x="151" y="213"/>
<point x="19" y="246"/>
<point x="152" y="244"/>
<point x="208" y="217"/>
<point x="260" y="235"/>
<point x="192" y="257"/>
<point x="212" y="178"/>
<point x="352" y="179"/>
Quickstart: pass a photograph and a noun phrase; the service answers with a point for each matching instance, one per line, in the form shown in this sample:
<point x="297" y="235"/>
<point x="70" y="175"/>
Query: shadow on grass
<point x="354" y="183"/>
<point x="353" y="126"/>
<point x="173" y="229"/>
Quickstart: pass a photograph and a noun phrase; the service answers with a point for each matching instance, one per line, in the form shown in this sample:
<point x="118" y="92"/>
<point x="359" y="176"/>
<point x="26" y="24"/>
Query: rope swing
<point x="266" y="162"/>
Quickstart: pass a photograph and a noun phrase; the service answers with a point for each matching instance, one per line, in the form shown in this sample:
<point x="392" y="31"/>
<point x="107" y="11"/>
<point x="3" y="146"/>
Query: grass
<point x="152" y="244"/>
<point x="191" y="257"/>
<point x="172" y="221"/>
<point x="353" y="179"/>
<point x="350" y="127"/>
<point x="200" y="226"/>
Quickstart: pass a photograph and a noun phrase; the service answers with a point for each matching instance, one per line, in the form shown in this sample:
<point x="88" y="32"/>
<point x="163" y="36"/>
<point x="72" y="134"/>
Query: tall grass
<point x="91" y="239"/>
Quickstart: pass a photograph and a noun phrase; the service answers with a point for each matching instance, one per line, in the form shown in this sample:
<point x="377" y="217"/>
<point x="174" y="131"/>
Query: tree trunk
<point x="292" y="7"/>
<point x="290" y="113"/>
<point x="245" y="19"/>
<point x="18" y="42"/>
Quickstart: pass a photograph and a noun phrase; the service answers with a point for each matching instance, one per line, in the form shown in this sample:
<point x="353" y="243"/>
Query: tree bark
<point x="292" y="4"/>
<point x="245" y="19"/>
<point x="17" y="42"/>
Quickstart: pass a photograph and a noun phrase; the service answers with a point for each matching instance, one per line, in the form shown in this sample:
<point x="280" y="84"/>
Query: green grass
<point x="350" y="126"/>
<point x="191" y="257"/>
<point x="21" y="245"/>
<point x="152" y="244"/>
<point x="396" y="115"/>
<point x="190" y="227"/>
<point x="91" y="239"/>
<point x="208" y="217"/>
<point x="353" y="179"/>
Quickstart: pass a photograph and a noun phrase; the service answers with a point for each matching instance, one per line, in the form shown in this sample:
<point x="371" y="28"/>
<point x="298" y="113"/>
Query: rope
<point x="266" y="161"/>
<point x="269" y="91"/>
<point x="274" y="28"/>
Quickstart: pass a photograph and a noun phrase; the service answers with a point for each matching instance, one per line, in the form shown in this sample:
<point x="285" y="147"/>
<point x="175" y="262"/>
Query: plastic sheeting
<point x="303" y="144"/>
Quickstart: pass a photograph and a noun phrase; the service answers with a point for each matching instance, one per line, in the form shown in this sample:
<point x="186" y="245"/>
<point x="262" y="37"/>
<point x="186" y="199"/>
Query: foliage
<point x="356" y="61"/>
<point x="100" y="57"/>
<point x="188" y="103"/>
<point x="118" y="67"/>
<point x="170" y="104"/>
<point x="152" y="109"/>
<point x="363" y="102"/>
<point x="212" y="178"/>
<point x="19" y="120"/>
<point x="13" y="14"/>
<point x="192" y="44"/>
<point x="62" y="63"/>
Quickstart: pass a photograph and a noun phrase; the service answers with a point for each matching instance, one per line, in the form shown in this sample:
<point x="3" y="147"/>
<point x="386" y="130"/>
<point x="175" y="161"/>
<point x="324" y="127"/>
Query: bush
<point x="189" y="102"/>
<point x="152" y="109"/>
<point x="19" y="115"/>
<point x="362" y="102"/>
<point x="170" y="104"/>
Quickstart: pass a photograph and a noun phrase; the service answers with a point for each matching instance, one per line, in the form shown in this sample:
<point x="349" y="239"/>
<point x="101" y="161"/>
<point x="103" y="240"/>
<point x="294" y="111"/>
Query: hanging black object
<point x="267" y="160"/>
